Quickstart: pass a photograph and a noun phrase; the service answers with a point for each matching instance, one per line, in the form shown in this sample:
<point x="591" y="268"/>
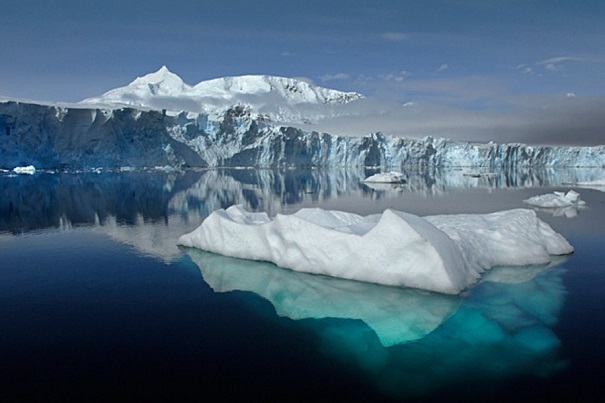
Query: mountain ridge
<point x="281" y="99"/>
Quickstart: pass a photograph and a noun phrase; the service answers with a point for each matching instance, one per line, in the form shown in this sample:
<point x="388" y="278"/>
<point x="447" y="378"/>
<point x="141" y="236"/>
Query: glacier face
<point x="60" y="137"/>
<point x="71" y="138"/>
<point x="240" y="140"/>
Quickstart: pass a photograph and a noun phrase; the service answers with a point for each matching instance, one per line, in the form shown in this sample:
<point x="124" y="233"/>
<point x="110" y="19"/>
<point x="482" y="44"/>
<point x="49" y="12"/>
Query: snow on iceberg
<point x="556" y="200"/>
<point x="386" y="177"/>
<point x="441" y="253"/>
<point x="28" y="170"/>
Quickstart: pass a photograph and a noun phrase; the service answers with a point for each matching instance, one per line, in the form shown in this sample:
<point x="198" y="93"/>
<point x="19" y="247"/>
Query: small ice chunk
<point x="388" y="177"/>
<point x="556" y="200"/>
<point x="28" y="170"/>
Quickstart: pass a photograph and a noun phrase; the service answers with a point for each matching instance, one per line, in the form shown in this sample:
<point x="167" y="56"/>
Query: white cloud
<point x="333" y="77"/>
<point x="559" y="60"/>
<point x="556" y="63"/>
<point x="395" y="76"/>
<point x="525" y="69"/>
<point x="288" y="54"/>
<point x="441" y="68"/>
<point x="566" y="120"/>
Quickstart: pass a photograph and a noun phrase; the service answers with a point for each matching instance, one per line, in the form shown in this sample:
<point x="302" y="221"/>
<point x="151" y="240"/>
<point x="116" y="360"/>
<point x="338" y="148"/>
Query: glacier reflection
<point x="409" y="342"/>
<point x="55" y="200"/>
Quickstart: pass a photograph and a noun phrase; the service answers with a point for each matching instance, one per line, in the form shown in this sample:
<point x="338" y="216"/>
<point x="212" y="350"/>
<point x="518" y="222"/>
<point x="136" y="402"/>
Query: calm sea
<point x="97" y="302"/>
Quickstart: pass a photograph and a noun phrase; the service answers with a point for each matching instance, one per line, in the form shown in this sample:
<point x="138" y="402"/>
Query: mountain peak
<point x="161" y="78"/>
<point x="279" y="97"/>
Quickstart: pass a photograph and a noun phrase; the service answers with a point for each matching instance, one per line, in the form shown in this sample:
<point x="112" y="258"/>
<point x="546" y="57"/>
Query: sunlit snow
<point x="444" y="253"/>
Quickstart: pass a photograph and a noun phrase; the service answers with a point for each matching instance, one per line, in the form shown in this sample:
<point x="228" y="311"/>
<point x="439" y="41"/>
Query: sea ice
<point x="29" y="170"/>
<point x="440" y="253"/>
<point x="556" y="199"/>
<point x="386" y="177"/>
<point x="595" y="185"/>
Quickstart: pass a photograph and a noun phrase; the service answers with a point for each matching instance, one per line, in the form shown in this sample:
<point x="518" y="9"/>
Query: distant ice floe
<point x="28" y="170"/>
<point x="445" y="253"/>
<point x="595" y="185"/>
<point x="556" y="200"/>
<point x="386" y="177"/>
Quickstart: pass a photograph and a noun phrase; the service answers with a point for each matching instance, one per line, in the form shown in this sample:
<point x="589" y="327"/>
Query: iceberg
<point x="443" y="254"/>
<point x="386" y="177"/>
<point x="556" y="200"/>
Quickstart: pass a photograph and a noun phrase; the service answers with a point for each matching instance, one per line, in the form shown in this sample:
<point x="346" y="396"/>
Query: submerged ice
<point x="412" y="342"/>
<point x="444" y="253"/>
<point x="396" y="315"/>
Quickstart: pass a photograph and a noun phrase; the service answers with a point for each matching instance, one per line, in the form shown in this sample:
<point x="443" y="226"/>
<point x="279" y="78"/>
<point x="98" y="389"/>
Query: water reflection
<point x="45" y="200"/>
<point x="408" y="342"/>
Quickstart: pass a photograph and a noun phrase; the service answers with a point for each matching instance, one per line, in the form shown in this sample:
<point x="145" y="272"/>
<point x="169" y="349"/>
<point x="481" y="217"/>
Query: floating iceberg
<point x="556" y="200"/>
<point x="387" y="177"/>
<point x="440" y="253"/>
<point x="28" y="170"/>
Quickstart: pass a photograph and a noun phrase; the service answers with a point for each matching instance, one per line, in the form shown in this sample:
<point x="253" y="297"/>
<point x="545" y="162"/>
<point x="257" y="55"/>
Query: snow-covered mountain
<point x="60" y="137"/>
<point x="278" y="99"/>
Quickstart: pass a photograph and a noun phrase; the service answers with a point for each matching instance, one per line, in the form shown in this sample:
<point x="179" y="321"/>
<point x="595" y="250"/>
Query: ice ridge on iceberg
<point x="438" y="253"/>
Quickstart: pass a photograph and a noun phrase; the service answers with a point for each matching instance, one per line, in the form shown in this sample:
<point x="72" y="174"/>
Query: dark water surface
<point x="98" y="302"/>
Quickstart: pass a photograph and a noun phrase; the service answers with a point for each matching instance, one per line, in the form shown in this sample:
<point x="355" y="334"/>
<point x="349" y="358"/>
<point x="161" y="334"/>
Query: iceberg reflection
<point x="412" y="343"/>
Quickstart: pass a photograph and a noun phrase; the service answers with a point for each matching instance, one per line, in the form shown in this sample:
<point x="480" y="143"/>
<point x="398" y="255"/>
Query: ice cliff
<point x="51" y="136"/>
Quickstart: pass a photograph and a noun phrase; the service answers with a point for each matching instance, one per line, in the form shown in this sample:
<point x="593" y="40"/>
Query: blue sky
<point x="471" y="55"/>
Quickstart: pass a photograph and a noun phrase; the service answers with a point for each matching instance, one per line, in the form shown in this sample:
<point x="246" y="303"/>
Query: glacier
<point x="61" y="137"/>
<point x="443" y="253"/>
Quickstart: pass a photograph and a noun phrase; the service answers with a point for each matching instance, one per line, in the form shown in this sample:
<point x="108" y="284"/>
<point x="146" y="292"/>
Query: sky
<point x="479" y="70"/>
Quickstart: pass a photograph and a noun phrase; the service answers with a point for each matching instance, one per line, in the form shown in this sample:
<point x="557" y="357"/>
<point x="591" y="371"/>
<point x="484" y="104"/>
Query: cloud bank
<point x="553" y="120"/>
